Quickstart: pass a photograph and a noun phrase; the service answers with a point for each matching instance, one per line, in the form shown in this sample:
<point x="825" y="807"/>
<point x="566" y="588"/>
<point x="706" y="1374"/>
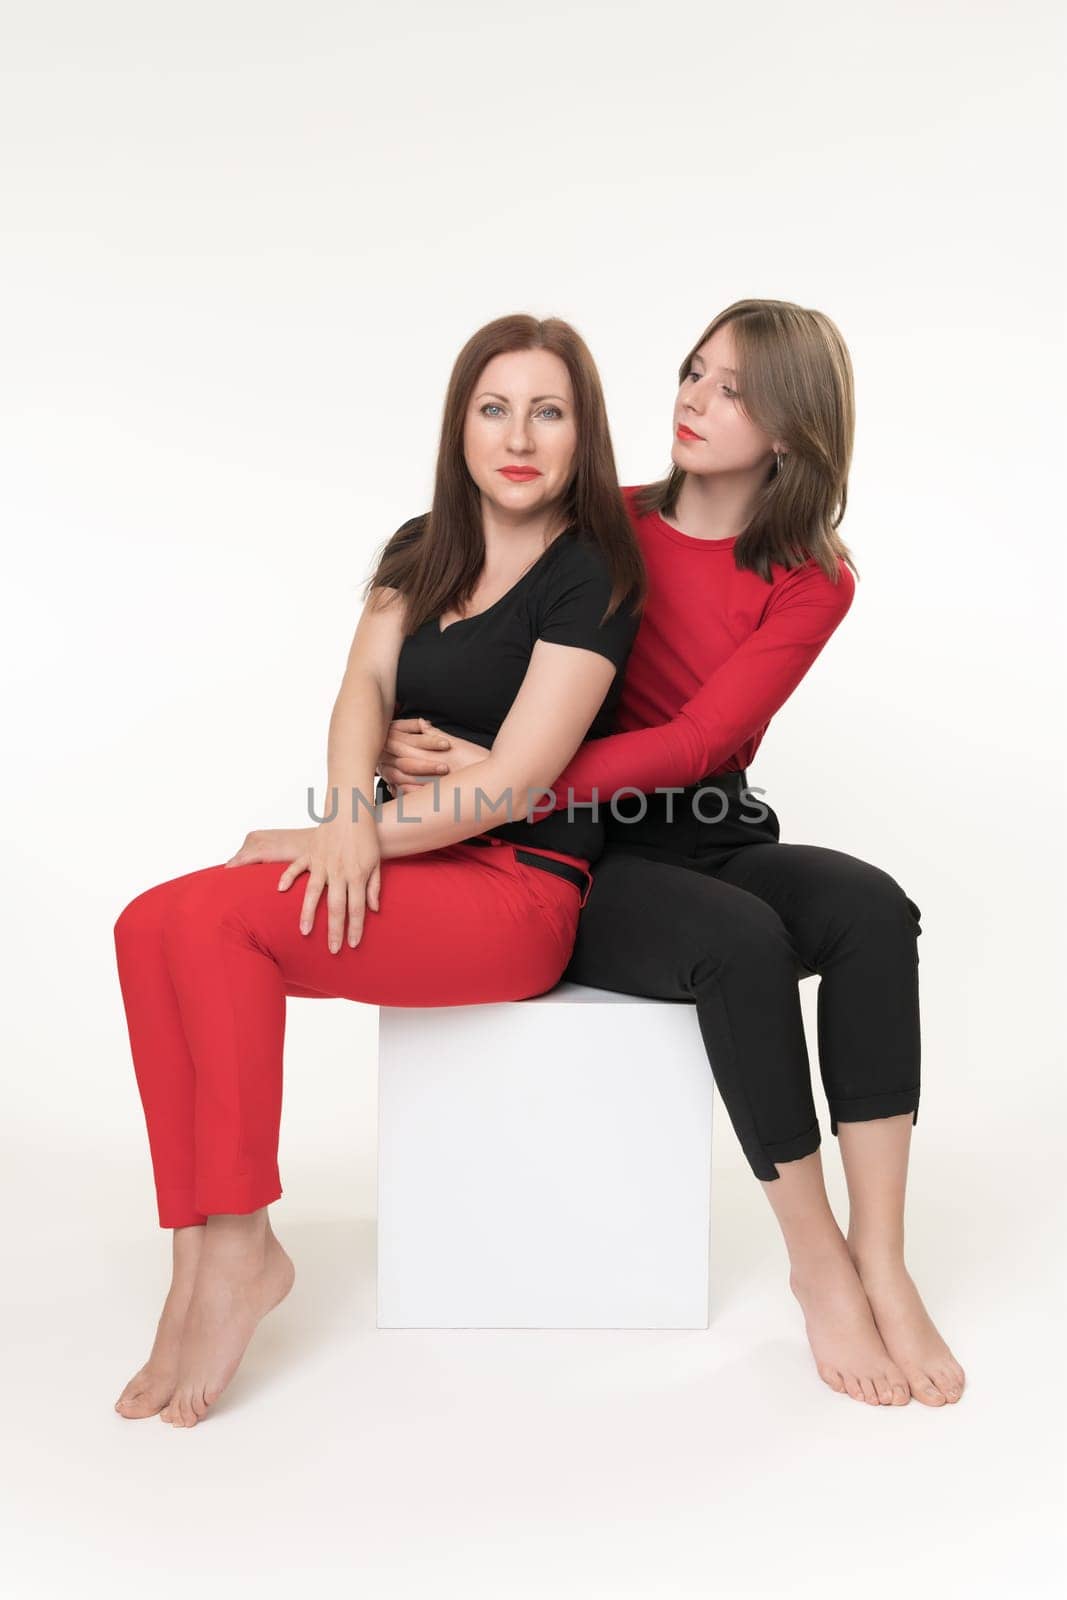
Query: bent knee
<point x="875" y="896"/>
<point x="753" y="938"/>
<point x="142" y="918"/>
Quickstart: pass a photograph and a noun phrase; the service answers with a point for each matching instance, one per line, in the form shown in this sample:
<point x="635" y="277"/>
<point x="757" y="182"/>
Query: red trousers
<point x="207" y="960"/>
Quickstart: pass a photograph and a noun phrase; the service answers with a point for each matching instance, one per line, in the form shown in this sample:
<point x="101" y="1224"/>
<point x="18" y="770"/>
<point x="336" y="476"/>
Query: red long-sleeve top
<point x="717" y="652"/>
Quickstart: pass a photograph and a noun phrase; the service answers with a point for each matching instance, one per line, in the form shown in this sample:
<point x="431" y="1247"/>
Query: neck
<point x="507" y="533"/>
<point x="717" y="505"/>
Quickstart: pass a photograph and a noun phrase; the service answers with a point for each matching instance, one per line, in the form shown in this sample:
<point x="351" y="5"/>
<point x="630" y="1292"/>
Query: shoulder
<point x="578" y="555"/>
<point x="410" y="530"/>
<point x="577" y="564"/>
<point x="808" y="584"/>
<point x="574" y="595"/>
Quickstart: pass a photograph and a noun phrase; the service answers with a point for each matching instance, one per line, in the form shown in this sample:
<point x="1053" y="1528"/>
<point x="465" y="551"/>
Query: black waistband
<point x="562" y="869"/>
<point x="730" y="781"/>
<point x="531" y="858"/>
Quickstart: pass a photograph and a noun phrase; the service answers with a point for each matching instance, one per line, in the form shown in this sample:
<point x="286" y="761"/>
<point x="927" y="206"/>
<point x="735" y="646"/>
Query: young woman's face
<point x="520" y="433"/>
<point x="707" y="406"/>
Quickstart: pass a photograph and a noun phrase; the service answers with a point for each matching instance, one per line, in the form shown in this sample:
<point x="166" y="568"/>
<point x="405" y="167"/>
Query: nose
<point x="693" y="396"/>
<point x="520" y="439"/>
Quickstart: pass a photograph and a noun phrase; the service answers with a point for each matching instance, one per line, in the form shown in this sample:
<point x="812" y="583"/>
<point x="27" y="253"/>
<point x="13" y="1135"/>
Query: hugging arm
<point x="736" y="701"/>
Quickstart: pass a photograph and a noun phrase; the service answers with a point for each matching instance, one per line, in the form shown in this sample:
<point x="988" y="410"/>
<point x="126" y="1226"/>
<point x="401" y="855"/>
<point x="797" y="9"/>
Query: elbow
<point x="518" y="784"/>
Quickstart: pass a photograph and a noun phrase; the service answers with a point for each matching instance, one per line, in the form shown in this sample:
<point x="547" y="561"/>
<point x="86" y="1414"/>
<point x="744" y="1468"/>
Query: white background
<point x="241" y="246"/>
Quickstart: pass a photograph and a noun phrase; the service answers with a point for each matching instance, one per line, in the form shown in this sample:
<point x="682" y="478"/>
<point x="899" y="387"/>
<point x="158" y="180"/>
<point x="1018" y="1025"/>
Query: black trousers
<point x="697" y="901"/>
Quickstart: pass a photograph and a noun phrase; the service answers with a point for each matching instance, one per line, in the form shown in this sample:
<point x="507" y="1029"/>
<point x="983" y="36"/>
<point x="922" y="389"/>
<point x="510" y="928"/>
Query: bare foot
<point x="849" y="1354"/>
<point x="243" y="1273"/>
<point x="934" y="1375"/>
<point x="150" y="1388"/>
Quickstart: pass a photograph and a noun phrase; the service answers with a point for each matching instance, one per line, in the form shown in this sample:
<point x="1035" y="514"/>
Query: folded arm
<point x="561" y="693"/>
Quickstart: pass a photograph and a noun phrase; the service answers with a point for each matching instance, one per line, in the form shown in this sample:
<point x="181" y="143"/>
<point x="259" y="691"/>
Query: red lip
<point x="687" y="433"/>
<point x="520" y="474"/>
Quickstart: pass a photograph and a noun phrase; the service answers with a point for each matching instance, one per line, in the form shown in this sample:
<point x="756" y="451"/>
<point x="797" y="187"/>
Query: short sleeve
<point x="408" y="531"/>
<point x="574" y="601"/>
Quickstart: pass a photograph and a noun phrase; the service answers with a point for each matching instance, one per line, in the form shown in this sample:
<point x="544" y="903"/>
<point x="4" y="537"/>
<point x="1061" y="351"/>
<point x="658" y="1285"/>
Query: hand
<point x="411" y="755"/>
<point x="271" y="844"/>
<point x="344" y="858"/>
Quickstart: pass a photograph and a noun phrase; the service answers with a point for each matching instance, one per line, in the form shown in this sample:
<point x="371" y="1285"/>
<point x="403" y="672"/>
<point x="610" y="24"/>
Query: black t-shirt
<point x="465" y="678"/>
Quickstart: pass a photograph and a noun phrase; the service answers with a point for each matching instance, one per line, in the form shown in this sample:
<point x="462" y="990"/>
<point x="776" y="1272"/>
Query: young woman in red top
<point x="695" y="897"/>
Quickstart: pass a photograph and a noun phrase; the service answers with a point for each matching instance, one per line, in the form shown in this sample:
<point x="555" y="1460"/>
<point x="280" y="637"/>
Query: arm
<point x="365" y="700"/>
<point x="562" y="691"/>
<point x="738" y="700"/>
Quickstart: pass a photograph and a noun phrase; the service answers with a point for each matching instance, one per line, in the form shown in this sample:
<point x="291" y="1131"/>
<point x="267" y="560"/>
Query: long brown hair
<point x="435" y="559"/>
<point x="795" y="382"/>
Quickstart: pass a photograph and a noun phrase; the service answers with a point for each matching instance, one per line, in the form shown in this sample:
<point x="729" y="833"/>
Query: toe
<point x="946" y="1382"/>
<point x="870" y="1393"/>
<point x="833" y="1378"/>
<point x="901" y="1393"/>
<point x="853" y="1385"/>
<point x="924" y="1389"/>
<point x="883" y="1389"/>
<point x="143" y="1405"/>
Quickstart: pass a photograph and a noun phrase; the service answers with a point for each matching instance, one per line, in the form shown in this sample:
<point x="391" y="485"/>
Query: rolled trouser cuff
<point x="240" y="1195"/>
<point x="870" y="1107"/>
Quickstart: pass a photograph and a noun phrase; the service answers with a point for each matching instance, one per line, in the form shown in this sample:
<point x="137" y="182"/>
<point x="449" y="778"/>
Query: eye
<point x="490" y="405"/>
<point x="731" y="393"/>
<point x="556" y="409"/>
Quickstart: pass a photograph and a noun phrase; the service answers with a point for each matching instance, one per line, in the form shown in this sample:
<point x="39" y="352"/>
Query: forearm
<point x="453" y="807"/>
<point x="645" y="759"/>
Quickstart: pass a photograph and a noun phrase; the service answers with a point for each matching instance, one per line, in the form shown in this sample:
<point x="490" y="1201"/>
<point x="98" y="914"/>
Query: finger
<point x="316" y="880"/>
<point x="374" y="888"/>
<point x="439" y="740"/>
<point x="336" y="900"/>
<point x="422" y="770"/>
<point x="357" y="899"/>
<point x="415" y="742"/>
<point x="293" y="871"/>
<point x="408" y="751"/>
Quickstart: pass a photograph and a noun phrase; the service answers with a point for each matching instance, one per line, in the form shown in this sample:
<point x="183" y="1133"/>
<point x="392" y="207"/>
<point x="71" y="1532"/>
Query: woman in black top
<point x="505" y="612"/>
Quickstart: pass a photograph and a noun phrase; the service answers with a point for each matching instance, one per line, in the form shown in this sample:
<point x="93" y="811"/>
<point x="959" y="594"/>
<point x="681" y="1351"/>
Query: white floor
<point x="344" y="1460"/>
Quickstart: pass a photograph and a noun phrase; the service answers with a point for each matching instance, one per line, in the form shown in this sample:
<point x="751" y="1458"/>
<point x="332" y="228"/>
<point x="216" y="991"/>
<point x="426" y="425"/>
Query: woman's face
<point x="520" y="433"/>
<point x="707" y="406"/>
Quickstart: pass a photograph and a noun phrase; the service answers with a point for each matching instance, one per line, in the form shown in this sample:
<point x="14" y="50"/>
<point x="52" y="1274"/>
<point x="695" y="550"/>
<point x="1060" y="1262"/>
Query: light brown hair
<point x="435" y="559"/>
<point x="794" y="377"/>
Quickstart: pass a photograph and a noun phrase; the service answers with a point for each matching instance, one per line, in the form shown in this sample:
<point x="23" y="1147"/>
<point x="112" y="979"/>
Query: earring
<point x="779" y="459"/>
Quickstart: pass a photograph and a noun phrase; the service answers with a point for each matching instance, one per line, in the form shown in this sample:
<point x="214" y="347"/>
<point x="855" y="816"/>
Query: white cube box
<point x="544" y="1163"/>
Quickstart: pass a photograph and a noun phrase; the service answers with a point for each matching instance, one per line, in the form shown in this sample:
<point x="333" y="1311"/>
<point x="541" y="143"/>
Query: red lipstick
<point x="520" y="474"/>
<point x="683" y="432"/>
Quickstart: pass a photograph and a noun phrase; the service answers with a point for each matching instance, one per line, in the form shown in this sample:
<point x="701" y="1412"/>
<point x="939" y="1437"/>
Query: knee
<point x="200" y="903"/>
<point x="754" y="938"/>
<point x="141" y="919"/>
<point x="873" y="898"/>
